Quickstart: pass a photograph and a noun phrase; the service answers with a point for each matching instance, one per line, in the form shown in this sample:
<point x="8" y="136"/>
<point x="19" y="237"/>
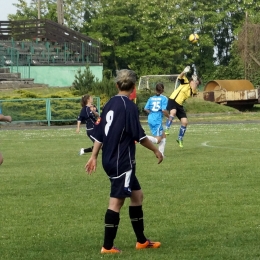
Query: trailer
<point x="239" y="94"/>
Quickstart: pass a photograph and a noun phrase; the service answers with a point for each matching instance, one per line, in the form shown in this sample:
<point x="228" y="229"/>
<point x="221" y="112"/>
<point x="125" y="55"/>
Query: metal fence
<point x="45" y="110"/>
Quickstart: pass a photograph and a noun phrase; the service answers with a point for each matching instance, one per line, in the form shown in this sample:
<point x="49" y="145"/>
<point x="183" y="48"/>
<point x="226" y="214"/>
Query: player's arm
<point x="194" y="83"/>
<point x="80" y="118"/>
<point x="166" y="113"/>
<point x="94" y="110"/>
<point x="5" y="118"/>
<point x="146" y="107"/>
<point x="91" y="165"/>
<point x="187" y="69"/>
<point x="147" y="111"/>
<point x="149" y="145"/>
<point x="78" y="125"/>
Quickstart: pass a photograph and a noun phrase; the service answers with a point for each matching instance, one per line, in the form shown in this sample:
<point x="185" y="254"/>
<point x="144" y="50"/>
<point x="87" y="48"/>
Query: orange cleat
<point x="148" y="244"/>
<point x="113" y="250"/>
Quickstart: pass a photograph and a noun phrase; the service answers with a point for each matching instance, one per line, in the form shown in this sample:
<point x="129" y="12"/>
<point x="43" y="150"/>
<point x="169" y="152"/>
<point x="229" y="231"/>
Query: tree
<point x="73" y="11"/>
<point x="84" y="81"/>
<point x="151" y="37"/>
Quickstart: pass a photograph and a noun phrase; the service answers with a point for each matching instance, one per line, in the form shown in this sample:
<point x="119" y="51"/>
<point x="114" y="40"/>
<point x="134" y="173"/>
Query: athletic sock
<point x="182" y="132"/>
<point x="169" y="122"/>
<point x="152" y="139"/>
<point x="161" y="145"/>
<point x="111" y="225"/>
<point x="136" y="216"/>
<point x="88" y="150"/>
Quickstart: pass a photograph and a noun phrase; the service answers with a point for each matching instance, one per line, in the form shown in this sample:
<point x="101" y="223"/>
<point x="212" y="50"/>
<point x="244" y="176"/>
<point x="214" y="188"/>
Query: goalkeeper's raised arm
<point x="183" y="73"/>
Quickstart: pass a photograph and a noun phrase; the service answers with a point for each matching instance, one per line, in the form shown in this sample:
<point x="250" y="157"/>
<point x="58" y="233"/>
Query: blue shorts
<point x="122" y="186"/>
<point x="156" y="129"/>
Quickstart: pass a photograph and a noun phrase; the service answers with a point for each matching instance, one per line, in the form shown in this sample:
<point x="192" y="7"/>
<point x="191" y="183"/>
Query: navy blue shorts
<point x="89" y="133"/>
<point x="123" y="185"/>
<point x="172" y="104"/>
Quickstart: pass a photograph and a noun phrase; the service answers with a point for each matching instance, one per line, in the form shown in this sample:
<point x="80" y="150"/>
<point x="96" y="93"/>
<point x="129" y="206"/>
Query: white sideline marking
<point x="206" y="144"/>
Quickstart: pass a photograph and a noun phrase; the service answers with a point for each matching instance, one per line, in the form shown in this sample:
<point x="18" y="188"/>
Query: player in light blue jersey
<point x="156" y="109"/>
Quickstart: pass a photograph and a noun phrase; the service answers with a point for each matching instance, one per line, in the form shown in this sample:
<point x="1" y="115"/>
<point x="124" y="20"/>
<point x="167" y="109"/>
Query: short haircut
<point x="125" y="79"/>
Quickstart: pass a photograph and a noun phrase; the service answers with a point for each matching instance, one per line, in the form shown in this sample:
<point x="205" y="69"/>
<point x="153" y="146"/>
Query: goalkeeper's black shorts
<point x="172" y="104"/>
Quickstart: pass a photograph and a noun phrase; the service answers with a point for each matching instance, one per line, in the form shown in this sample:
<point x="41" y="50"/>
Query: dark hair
<point x="125" y="79"/>
<point x="84" y="100"/>
<point x="159" y="88"/>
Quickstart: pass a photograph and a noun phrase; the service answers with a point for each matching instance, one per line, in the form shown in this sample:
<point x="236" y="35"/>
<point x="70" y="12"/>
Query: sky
<point x="6" y="8"/>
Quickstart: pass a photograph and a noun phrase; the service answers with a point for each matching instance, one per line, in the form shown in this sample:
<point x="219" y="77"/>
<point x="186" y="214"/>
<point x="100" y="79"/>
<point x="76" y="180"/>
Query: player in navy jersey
<point x="88" y="114"/>
<point x="116" y="134"/>
<point x="156" y="109"/>
<point x="5" y="119"/>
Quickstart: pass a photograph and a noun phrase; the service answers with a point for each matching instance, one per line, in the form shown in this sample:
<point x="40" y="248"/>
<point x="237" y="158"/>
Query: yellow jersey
<point x="183" y="92"/>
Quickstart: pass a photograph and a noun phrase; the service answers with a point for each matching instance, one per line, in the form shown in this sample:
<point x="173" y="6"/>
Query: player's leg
<point x="137" y="219"/>
<point x="159" y="134"/>
<point x="112" y="219"/>
<point x="171" y="107"/>
<point x="87" y="150"/>
<point x="184" y="122"/>
<point x="162" y="144"/>
<point x="153" y="131"/>
<point x="120" y="189"/>
<point x="156" y="130"/>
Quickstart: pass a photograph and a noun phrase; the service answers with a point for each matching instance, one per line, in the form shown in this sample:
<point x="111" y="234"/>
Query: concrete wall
<point x="58" y="76"/>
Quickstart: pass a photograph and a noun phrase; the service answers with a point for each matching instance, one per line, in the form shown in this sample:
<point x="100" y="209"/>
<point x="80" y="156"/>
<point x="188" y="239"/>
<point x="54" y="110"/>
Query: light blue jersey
<point x="156" y="104"/>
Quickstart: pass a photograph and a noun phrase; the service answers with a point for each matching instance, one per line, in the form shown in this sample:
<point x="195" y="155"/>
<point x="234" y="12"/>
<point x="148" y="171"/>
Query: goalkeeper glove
<point x="187" y="69"/>
<point x="194" y="77"/>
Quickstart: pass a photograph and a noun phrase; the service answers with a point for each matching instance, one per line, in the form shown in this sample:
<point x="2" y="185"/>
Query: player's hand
<point x="91" y="165"/>
<point x="159" y="155"/>
<point x="77" y="130"/>
<point x="93" y="108"/>
<point x="187" y="69"/>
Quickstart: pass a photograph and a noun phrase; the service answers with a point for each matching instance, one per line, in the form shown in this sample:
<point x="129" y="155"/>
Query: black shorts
<point x="89" y="133"/>
<point x="123" y="185"/>
<point x="172" y="104"/>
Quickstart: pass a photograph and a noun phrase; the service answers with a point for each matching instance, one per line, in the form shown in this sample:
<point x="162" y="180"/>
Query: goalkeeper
<point x="186" y="89"/>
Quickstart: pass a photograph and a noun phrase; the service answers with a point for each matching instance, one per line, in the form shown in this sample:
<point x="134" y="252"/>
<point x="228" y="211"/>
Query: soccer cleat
<point x="113" y="250"/>
<point x="81" y="151"/>
<point x="180" y="142"/>
<point x="166" y="131"/>
<point x="148" y="244"/>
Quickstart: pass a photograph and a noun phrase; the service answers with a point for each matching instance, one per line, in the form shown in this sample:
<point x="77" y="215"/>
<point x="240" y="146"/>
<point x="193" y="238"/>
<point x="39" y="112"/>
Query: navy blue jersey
<point x="87" y="116"/>
<point x="118" y="130"/>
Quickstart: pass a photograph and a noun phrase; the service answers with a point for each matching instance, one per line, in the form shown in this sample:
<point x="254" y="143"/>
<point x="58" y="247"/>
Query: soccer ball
<point x="193" y="38"/>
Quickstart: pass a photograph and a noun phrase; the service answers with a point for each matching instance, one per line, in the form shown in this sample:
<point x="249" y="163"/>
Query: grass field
<point x="202" y="202"/>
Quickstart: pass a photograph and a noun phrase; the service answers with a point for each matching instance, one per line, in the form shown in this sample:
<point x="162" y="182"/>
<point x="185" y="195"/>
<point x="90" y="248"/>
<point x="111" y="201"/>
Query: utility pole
<point x="60" y="12"/>
<point x="39" y="9"/>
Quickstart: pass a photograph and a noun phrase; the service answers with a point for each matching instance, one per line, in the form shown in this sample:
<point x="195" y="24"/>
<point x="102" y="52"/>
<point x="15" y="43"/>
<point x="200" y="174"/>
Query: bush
<point x="142" y="97"/>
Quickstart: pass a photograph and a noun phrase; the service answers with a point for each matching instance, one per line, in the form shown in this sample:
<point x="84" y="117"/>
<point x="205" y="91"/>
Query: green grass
<point x="202" y="202"/>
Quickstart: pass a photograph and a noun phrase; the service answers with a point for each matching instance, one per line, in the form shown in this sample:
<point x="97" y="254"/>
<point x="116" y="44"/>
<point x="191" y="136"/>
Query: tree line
<point x="151" y="37"/>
